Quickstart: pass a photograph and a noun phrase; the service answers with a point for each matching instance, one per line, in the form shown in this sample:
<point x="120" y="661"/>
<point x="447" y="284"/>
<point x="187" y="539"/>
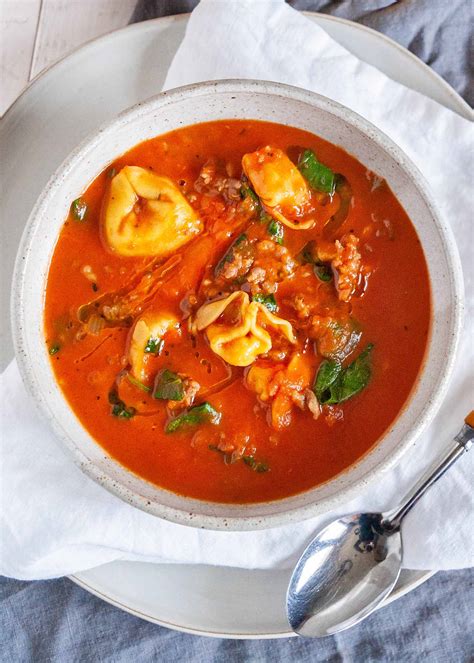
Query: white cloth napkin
<point x="56" y="521"/>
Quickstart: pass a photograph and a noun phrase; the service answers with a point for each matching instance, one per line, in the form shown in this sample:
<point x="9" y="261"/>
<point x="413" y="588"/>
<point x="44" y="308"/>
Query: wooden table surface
<point x="36" y="33"/>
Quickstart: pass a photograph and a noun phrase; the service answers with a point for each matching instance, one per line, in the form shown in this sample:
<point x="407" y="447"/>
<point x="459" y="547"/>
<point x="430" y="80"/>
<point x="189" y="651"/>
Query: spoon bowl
<point x="353" y="563"/>
<point x="343" y="575"/>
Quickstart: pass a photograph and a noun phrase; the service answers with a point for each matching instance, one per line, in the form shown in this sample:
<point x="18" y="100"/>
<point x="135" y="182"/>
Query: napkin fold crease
<point x="56" y="521"/>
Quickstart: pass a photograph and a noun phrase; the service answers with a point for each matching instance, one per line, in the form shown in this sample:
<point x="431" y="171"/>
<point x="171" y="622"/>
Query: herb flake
<point x="267" y="300"/>
<point x="255" y="465"/>
<point x="137" y="383"/>
<point x="246" y="191"/>
<point x="276" y="231"/>
<point x="79" y="209"/>
<point x="154" y="346"/>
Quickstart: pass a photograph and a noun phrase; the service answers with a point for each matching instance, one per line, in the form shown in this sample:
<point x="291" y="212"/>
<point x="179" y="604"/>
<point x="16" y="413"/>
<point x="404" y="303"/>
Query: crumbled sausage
<point x="213" y="183"/>
<point x="272" y="264"/>
<point x="237" y="266"/>
<point x="346" y="265"/>
<point x="312" y="403"/>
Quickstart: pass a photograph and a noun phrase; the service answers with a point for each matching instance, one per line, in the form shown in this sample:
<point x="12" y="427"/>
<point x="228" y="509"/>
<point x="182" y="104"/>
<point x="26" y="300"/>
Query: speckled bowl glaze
<point x="200" y="103"/>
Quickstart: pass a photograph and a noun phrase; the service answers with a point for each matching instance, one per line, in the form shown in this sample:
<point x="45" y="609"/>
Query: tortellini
<point x="145" y="214"/>
<point x="245" y="336"/>
<point x="146" y="341"/>
<point x="279" y="184"/>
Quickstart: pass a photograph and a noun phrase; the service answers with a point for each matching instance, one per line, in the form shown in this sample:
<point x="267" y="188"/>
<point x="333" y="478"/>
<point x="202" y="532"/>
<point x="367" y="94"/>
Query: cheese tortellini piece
<point x="145" y="214"/>
<point x="147" y="339"/>
<point x="244" y="335"/>
<point x="279" y="184"/>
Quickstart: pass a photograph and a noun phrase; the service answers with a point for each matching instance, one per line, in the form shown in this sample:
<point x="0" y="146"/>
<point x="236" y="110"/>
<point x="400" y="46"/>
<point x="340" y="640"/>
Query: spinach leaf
<point x="267" y="300"/>
<point x="168" y="386"/>
<point x="154" y="346"/>
<point x="309" y="254"/>
<point x="319" y="176"/>
<point x="328" y="373"/>
<point x="238" y="245"/>
<point x="119" y="409"/>
<point x="199" y="414"/>
<point x="323" y="272"/>
<point x="246" y="191"/>
<point x="335" y="384"/>
<point x="344" y="189"/>
<point x="276" y="231"/>
<point x="79" y="209"/>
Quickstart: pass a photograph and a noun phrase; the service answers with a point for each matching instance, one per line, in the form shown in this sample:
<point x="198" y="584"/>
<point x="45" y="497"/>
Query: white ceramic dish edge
<point x="227" y="518"/>
<point x="81" y="579"/>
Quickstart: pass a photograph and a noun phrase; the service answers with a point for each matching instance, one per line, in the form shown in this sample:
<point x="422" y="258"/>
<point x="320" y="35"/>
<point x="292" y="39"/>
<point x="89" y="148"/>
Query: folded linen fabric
<point x="55" y="520"/>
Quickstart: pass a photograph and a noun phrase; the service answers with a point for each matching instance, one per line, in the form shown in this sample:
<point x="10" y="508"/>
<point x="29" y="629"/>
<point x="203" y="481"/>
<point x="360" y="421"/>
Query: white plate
<point x="48" y="120"/>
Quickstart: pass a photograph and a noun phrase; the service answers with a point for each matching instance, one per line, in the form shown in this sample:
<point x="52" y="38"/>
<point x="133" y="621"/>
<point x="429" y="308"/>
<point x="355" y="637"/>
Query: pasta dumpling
<point x="244" y="335"/>
<point x="146" y="341"/>
<point x="283" y="191"/>
<point x="145" y="214"/>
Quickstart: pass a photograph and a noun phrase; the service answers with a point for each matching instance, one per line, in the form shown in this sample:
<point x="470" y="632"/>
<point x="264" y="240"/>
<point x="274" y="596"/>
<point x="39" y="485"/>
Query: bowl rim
<point x="292" y="514"/>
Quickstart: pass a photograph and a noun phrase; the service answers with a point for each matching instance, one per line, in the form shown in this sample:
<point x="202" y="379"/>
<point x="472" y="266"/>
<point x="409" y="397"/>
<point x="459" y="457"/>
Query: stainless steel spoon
<point x="352" y="564"/>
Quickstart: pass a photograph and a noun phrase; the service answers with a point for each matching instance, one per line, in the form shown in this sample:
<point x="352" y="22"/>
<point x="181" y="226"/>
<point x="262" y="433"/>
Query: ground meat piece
<point x="257" y="275"/>
<point x="281" y="349"/>
<point x="302" y="308"/>
<point x="191" y="388"/>
<point x="237" y="266"/>
<point x="272" y="264"/>
<point x="212" y="183"/>
<point x="312" y="403"/>
<point x="208" y="172"/>
<point x="346" y="266"/>
<point x="332" y="414"/>
<point x="236" y="446"/>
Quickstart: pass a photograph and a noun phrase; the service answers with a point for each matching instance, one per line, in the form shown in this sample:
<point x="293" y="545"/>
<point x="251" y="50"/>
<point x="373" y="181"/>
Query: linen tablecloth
<point x="57" y="621"/>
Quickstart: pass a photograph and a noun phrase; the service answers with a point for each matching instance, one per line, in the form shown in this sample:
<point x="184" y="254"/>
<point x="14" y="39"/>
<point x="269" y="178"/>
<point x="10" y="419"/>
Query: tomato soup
<point x="237" y="310"/>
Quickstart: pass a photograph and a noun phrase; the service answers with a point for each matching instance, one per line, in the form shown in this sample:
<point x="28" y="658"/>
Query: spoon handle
<point x="461" y="443"/>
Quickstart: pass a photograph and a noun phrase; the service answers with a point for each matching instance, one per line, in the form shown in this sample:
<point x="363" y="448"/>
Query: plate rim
<point x="461" y="107"/>
<point x="277" y="635"/>
<point x="183" y="18"/>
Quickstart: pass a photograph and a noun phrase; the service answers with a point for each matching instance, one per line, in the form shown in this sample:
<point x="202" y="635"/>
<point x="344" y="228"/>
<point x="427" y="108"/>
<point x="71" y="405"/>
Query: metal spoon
<point x="352" y="564"/>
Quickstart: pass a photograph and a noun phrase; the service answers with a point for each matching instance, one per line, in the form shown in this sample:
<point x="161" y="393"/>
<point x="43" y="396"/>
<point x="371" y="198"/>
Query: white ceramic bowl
<point x="200" y="103"/>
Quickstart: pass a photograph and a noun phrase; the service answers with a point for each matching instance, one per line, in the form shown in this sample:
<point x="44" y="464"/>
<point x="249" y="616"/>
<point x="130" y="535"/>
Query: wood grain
<point x="18" y="24"/>
<point x="66" y="24"/>
<point x="36" y="33"/>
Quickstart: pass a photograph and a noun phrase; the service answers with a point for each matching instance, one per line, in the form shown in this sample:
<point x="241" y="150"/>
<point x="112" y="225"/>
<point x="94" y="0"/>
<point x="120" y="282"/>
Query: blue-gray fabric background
<point x="57" y="621"/>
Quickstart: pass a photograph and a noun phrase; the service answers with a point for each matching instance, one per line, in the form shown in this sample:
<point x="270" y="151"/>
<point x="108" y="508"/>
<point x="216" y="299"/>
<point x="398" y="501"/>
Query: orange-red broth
<point x="394" y="313"/>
